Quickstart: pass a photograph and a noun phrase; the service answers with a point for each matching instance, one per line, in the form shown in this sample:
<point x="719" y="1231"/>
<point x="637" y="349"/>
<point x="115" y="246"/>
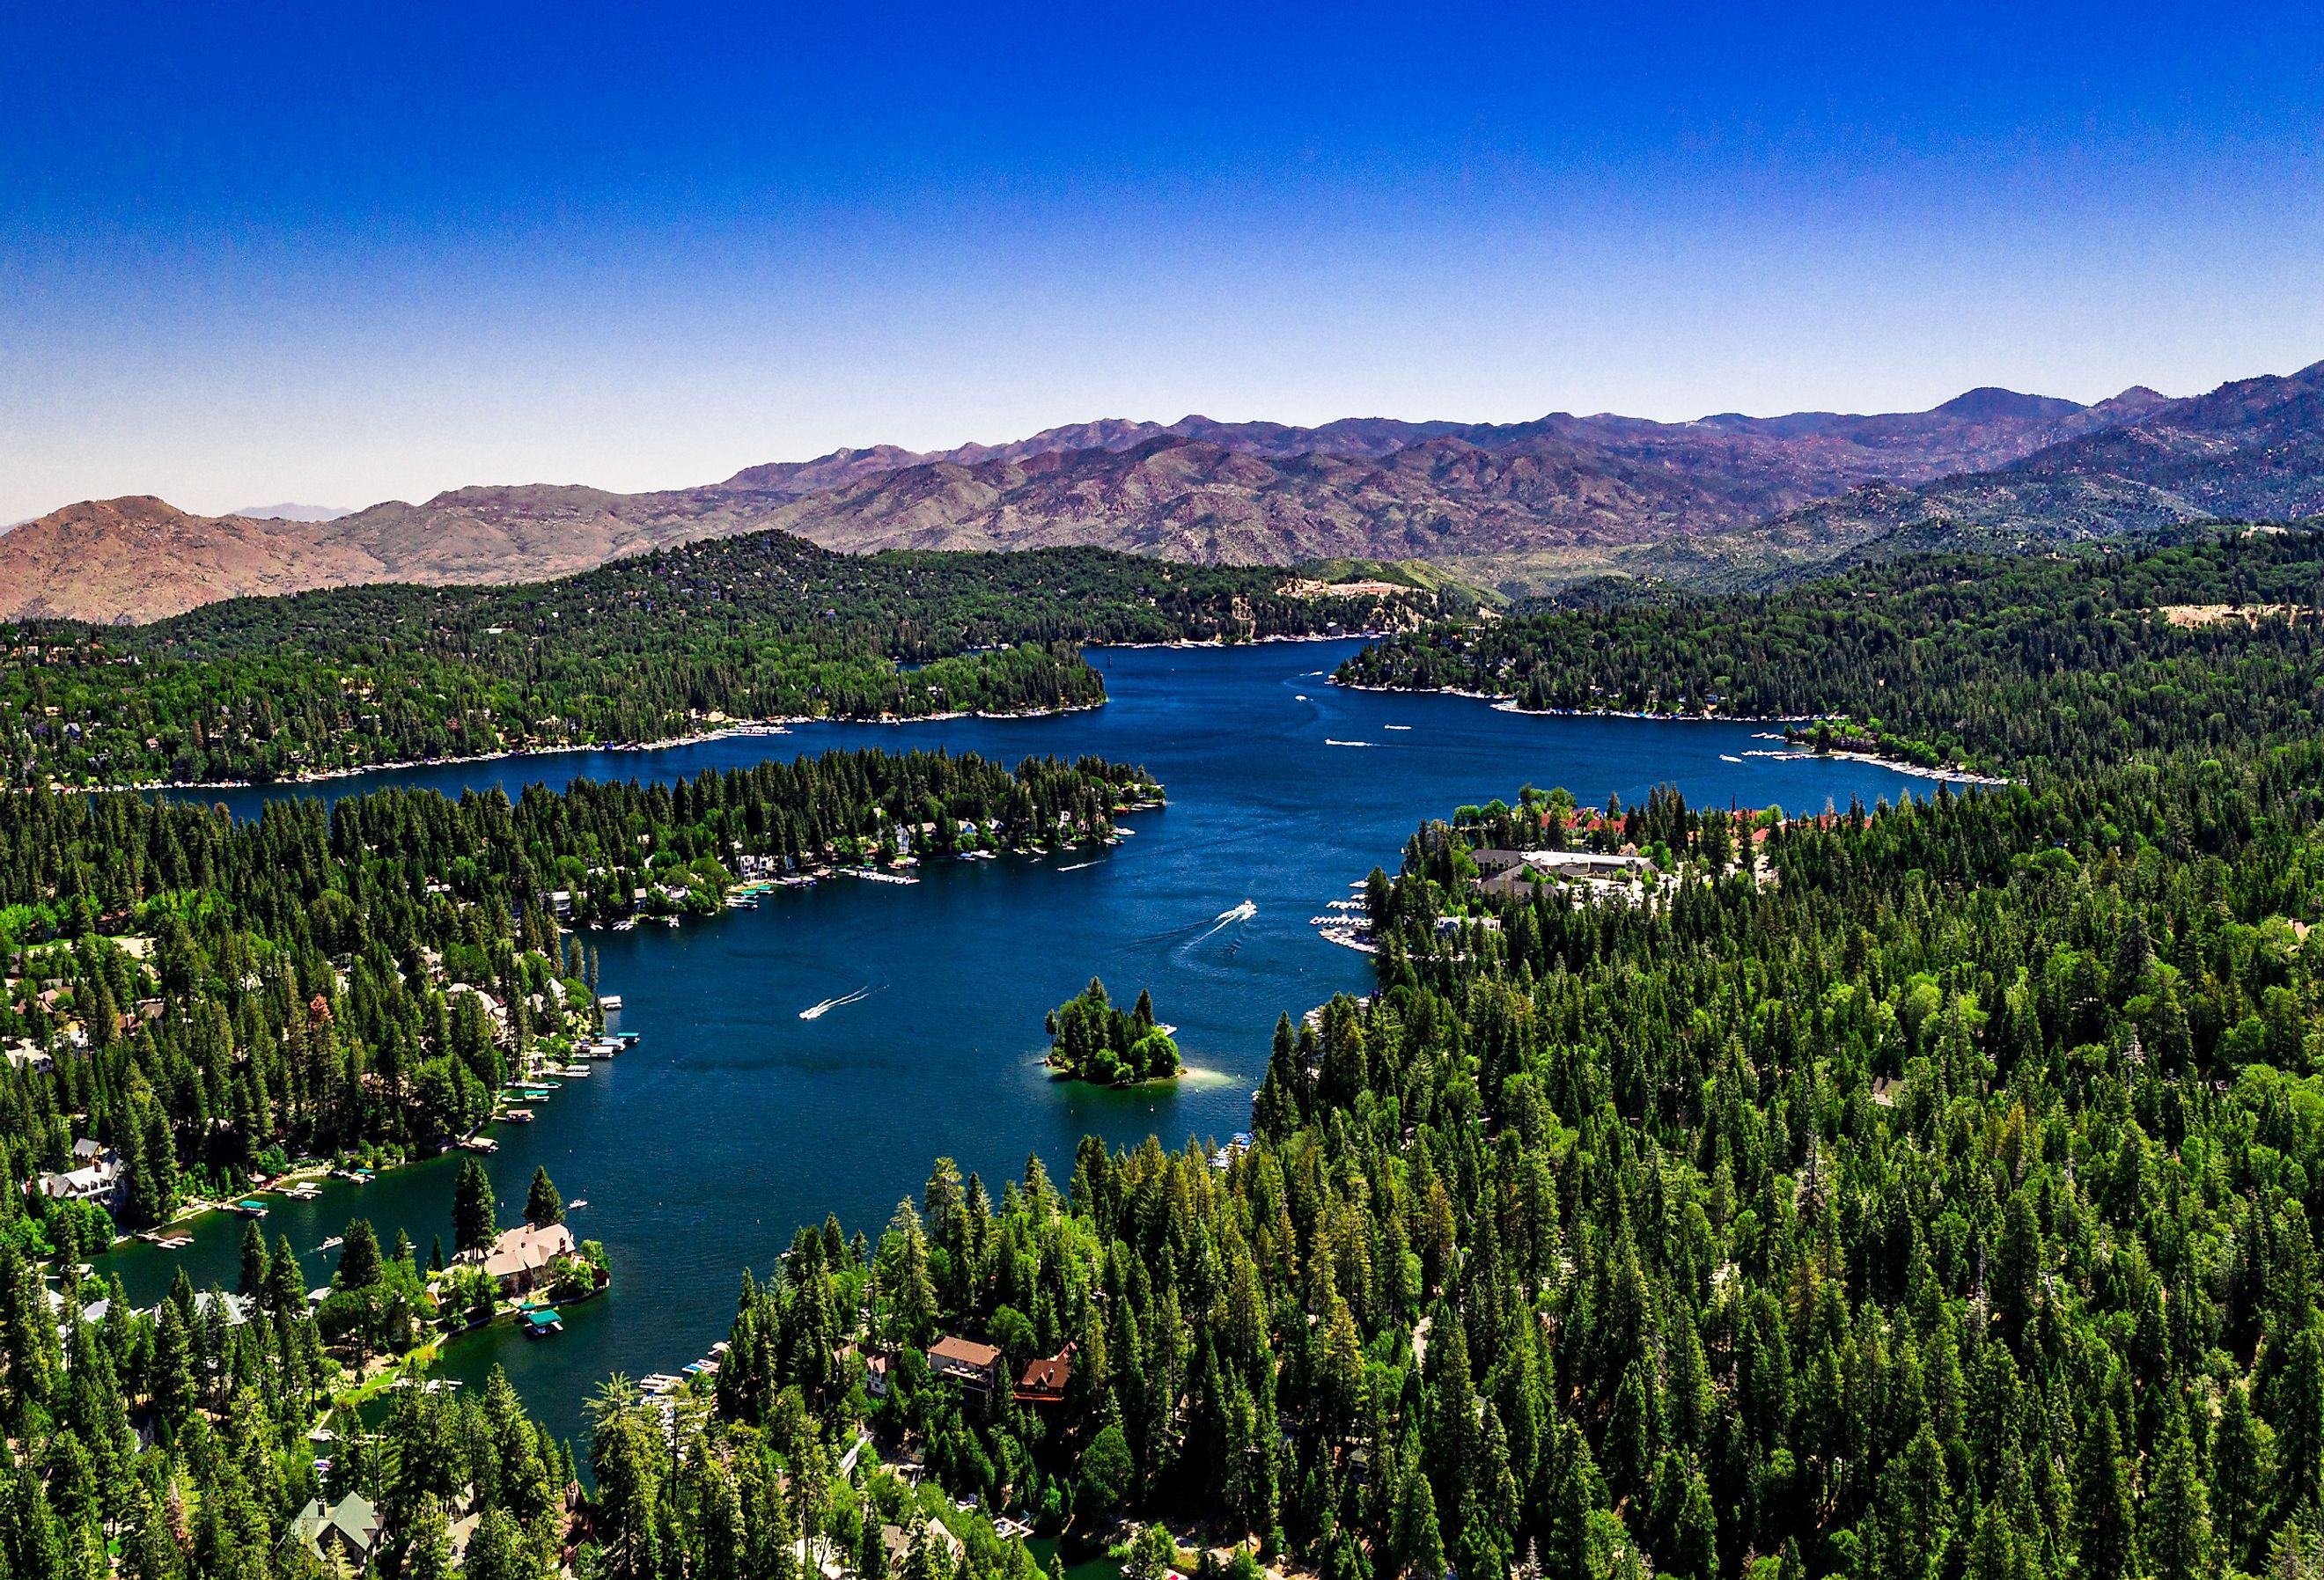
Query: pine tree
<point x="359" y="1264"/>
<point x="1419" y="1544"/>
<point x="2240" y="1472"/>
<point x="1693" y="1542"/>
<point x="286" y="1282"/>
<point x="1996" y="1550"/>
<point x="499" y="1550"/>
<point x="254" y="1269"/>
<point x="2103" y="1522"/>
<point x="2299" y="1420"/>
<point x="2175" y="1521"/>
<point x="542" y="1204"/>
<point x="473" y="1224"/>
<point x="911" y="1290"/>
<point x="174" y="1393"/>
<point x="428" y="1545"/>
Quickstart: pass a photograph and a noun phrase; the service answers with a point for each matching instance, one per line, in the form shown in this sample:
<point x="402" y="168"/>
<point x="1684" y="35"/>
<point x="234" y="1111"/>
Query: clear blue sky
<point x="338" y="253"/>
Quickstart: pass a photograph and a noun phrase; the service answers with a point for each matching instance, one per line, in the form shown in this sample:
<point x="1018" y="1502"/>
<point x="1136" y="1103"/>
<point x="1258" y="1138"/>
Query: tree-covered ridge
<point x="1992" y="663"/>
<point x="1091" y="1039"/>
<point x="661" y="646"/>
<point x="216" y="995"/>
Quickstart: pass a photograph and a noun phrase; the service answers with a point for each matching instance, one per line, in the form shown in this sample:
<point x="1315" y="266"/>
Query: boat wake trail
<point x="1227" y="917"/>
<point x="817" y="1011"/>
<point x="1076" y="867"/>
<point x="1195" y="932"/>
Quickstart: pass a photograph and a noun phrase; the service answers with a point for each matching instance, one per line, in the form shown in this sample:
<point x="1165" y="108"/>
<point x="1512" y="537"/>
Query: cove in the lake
<point x="734" y="1120"/>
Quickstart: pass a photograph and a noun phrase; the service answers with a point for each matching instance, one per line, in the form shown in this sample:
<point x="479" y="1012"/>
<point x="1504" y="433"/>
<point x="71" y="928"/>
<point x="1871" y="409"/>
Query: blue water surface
<point x="734" y="1121"/>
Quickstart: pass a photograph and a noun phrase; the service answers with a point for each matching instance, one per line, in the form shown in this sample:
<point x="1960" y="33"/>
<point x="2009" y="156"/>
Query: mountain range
<point x="1556" y="498"/>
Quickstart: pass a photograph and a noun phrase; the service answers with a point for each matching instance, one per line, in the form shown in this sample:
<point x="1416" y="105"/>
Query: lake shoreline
<point x="1502" y="702"/>
<point x="779" y="726"/>
<point x="1218" y="643"/>
<point x="776" y="725"/>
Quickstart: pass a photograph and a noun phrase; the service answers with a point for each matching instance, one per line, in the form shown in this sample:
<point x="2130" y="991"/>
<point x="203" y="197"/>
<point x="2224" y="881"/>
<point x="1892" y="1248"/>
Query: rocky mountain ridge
<point x="1727" y="487"/>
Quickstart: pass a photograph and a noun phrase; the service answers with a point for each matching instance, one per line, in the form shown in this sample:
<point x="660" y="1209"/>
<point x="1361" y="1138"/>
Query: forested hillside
<point x="1983" y="661"/>
<point x="651" y="649"/>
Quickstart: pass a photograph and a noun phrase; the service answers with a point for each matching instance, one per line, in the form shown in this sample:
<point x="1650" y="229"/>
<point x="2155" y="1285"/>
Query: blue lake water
<point x="734" y="1121"/>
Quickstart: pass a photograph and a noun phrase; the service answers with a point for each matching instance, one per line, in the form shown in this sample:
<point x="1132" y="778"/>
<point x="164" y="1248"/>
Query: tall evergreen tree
<point x="473" y="1225"/>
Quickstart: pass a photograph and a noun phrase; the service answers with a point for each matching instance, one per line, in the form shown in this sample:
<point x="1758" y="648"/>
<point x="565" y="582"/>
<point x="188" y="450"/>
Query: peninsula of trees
<point x="1987" y="662"/>
<point x="204" y="997"/>
<point x="1090" y="1039"/>
<point x="661" y="647"/>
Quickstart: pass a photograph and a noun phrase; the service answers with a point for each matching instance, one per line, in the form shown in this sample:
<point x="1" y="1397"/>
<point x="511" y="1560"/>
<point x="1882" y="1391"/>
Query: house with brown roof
<point x="1044" y="1378"/>
<point x="520" y="1260"/>
<point x="967" y="1362"/>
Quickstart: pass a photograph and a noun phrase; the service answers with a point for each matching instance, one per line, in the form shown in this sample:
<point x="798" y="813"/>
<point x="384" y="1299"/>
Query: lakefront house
<point x="520" y="1259"/>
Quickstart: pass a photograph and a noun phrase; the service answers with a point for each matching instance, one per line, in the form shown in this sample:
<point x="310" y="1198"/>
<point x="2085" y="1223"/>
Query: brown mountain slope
<point x="1259" y="493"/>
<point x="2253" y="450"/>
<point x="1983" y="428"/>
<point x="139" y="559"/>
<point x="1195" y="489"/>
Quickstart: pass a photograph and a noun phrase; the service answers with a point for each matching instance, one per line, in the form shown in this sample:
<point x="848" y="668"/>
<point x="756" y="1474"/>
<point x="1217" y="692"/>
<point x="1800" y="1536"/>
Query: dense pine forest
<point x="1978" y="660"/>
<point x="214" y="997"/>
<point x="660" y="647"/>
<point x="1918" y="1192"/>
<point x="1935" y="1203"/>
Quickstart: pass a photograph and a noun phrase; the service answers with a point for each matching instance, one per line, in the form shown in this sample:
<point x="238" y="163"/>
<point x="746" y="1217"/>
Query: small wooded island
<point x="1091" y="1040"/>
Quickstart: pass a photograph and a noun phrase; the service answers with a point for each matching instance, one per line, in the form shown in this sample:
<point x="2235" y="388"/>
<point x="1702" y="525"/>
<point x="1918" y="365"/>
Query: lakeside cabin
<point x="95" y="1175"/>
<point x="1044" y="1378"/>
<point x="972" y="1365"/>
<point x="875" y="1364"/>
<point x="343" y="1533"/>
<point x="520" y="1258"/>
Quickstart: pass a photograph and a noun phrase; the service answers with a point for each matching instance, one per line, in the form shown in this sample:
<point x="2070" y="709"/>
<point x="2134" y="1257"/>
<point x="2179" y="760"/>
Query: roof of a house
<point x="899" y="1541"/>
<point x="965" y="1352"/>
<point x="525" y="1249"/>
<point x="353" y="1519"/>
<point x="1047" y="1374"/>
